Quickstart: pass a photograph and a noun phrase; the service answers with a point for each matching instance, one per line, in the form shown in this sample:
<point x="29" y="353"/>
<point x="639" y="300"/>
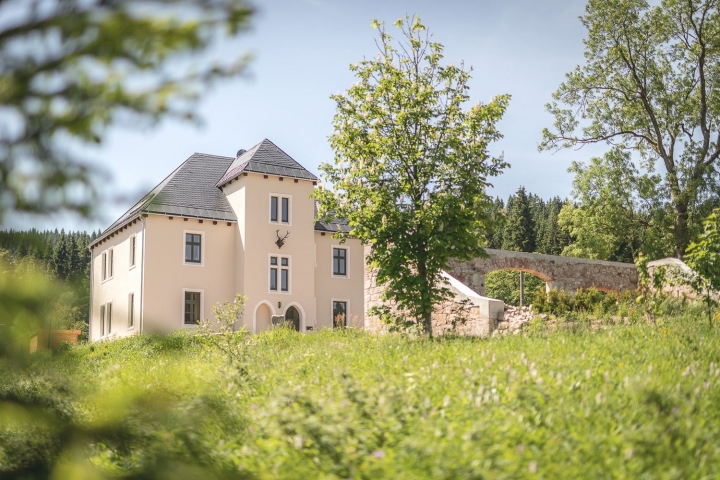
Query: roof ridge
<point x="283" y="151"/>
<point x="208" y="155"/>
<point x="146" y="199"/>
<point x="161" y="199"/>
<point x="261" y="158"/>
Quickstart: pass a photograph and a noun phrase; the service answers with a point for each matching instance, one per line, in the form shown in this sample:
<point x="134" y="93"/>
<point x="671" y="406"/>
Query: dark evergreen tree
<point x="497" y="214"/>
<point x="519" y="232"/>
<point x="74" y="265"/>
<point x="552" y="239"/>
<point x="60" y="258"/>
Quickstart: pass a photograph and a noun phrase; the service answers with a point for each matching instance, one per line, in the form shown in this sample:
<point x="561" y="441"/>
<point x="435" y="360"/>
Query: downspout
<point x="91" y="295"/>
<point x="142" y="274"/>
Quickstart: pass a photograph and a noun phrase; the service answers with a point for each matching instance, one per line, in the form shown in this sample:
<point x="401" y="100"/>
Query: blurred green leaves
<point x="71" y="68"/>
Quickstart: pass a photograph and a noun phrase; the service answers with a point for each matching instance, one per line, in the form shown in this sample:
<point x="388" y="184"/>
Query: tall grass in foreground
<point x="633" y="401"/>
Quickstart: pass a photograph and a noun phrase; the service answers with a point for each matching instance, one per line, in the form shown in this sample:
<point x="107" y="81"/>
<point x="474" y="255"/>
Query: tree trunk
<point x="681" y="233"/>
<point x="425" y="298"/>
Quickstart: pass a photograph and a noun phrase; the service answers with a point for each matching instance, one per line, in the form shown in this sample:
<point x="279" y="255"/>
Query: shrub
<point x="587" y="300"/>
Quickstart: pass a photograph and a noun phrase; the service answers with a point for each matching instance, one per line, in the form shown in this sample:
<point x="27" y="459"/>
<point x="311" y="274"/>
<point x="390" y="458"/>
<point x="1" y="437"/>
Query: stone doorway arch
<point x="262" y="317"/>
<point x="292" y="316"/>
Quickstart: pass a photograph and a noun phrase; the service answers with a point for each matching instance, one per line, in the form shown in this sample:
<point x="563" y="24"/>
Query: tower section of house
<point x="270" y="194"/>
<point x="218" y="226"/>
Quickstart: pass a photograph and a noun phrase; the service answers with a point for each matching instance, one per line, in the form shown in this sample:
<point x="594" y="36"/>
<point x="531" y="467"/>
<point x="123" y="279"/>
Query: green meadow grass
<point x="621" y="401"/>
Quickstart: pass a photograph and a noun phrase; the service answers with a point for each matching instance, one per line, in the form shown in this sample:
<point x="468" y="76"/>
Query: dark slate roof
<point x="269" y="159"/>
<point x="334" y="225"/>
<point x="188" y="191"/>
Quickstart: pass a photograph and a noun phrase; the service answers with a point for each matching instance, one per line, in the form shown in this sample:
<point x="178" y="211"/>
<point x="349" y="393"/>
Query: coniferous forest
<point x="61" y="256"/>
<point x="524" y="223"/>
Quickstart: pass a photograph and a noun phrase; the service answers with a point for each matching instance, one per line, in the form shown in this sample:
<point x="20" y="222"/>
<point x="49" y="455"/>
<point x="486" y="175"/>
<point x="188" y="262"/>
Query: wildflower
<point x="533" y="467"/>
<point x="378" y="454"/>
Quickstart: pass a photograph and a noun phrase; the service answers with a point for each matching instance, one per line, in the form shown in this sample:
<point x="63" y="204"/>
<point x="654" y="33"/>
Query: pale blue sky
<point x="302" y="49"/>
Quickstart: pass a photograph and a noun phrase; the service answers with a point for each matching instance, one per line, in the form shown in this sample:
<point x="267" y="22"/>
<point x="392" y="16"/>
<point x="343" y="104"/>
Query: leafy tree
<point x="649" y="89"/>
<point x="704" y="258"/>
<point x="411" y="166"/>
<point x="519" y="231"/>
<point x="71" y="68"/>
<point x="617" y="212"/>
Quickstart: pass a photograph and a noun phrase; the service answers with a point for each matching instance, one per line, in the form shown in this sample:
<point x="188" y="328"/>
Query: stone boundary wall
<point x="675" y="271"/>
<point x="466" y="313"/>
<point x="566" y="273"/>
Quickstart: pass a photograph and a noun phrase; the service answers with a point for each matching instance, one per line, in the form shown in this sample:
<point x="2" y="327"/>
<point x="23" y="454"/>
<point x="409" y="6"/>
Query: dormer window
<point x="280" y="209"/>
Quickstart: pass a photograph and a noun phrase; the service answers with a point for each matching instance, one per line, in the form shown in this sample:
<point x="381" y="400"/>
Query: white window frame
<point x="279" y="278"/>
<point x="290" y="208"/>
<point x="182" y="308"/>
<point x="107" y="266"/>
<point x="107" y="320"/>
<point x="131" y="310"/>
<point x="347" y="310"/>
<point x="132" y="252"/>
<point x="102" y="320"/>
<point x="202" y="248"/>
<point x="347" y="261"/>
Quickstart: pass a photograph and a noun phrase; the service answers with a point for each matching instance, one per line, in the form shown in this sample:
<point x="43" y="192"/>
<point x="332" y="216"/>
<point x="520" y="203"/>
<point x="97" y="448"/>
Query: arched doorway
<point x="292" y="316"/>
<point x="506" y="285"/>
<point x="263" y="318"/>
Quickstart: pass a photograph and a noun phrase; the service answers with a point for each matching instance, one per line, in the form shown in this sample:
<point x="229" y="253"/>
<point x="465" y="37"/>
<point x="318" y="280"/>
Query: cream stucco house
<point x="217" y="226"/>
